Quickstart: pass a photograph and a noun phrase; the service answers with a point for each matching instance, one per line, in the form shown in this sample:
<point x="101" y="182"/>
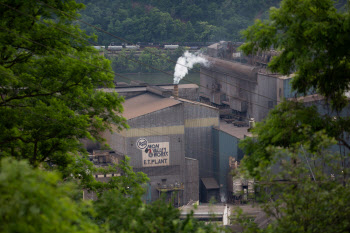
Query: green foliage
<point x="36" y="201"/>
<point x="173" y="21"/>
<point x="49" y="80"/>
<point x="307" y="188"/>
<point x="123" y="213"/>
<point x="130" y="183"/>
<point x="313" y="43"/>
<point x="307" y="185"/>
<point x="49" y="101"/>
<point x="287" y="126"/>
<point x="33" y="200"/>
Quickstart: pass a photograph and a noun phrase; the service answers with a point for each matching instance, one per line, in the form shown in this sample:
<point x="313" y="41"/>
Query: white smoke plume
<point x="185" y="63"/>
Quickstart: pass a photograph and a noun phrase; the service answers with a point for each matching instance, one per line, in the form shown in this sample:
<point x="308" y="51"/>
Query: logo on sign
<point x="156" y="154"/>
<point x="141" y="143"/>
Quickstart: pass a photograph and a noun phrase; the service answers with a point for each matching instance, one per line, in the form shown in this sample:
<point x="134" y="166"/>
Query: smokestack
<point x="176" y="91"/>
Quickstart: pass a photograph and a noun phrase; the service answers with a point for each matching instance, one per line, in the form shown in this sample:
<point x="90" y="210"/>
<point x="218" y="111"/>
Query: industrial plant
<point x="185" y="136"/>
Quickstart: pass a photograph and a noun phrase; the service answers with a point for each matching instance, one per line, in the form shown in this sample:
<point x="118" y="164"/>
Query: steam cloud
<point x="185" y="63"/>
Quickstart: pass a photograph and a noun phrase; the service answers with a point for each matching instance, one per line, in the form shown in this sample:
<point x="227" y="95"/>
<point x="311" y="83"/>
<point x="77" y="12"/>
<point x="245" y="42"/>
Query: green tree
<point x="283" y="128"/>
<point x="292" y="143"/>
<point x="161" y="21"/>
<point x="307" y="193"/>
<point x="49" y="85"/>
<point x="307" y="37"/>
<point x="36" y="201"/>
<point x="313" y="43"/>
<point x="123" y="213"/>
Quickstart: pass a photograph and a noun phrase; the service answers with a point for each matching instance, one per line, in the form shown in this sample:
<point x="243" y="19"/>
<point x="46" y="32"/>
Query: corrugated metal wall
<point x="265" y="98"/>
<point x="192" y="180"/>
<point x="165" y="125"/>
<point x="199" y="121"/>
<point x="225" y="145"/>
<point x="188" y="129"/>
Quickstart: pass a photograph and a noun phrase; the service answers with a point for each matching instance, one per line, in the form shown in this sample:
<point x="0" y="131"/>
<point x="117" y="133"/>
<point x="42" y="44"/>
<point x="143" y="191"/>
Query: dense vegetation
<point x="33" y="201"/>
<point x="291" y="149"/>
<point x="50" y="101"/>
<point x="172" y="21"/>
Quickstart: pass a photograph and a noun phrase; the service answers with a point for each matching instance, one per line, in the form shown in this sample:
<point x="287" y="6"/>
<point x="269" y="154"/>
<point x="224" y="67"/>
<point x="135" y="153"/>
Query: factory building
<point x="169" y="139"/>
<point x="226" y="139"/>
<point x="241" y="91"/>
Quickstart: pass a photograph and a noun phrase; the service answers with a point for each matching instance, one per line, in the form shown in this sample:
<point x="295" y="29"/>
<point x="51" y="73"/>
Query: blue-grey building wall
<point x="225" y="146"/>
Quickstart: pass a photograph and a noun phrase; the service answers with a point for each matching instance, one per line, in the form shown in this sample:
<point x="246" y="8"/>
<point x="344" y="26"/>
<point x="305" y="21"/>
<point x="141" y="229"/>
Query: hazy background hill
<point x="173" y="20"/>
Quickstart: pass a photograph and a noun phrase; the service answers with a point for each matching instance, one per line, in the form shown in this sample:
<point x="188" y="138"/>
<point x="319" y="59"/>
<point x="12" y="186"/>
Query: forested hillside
<point x="172" y="20"/>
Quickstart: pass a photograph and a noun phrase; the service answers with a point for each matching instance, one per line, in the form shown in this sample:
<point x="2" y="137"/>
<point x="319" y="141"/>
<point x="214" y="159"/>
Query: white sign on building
<point x="154" y="154"/>
<point x="236" y="55"/>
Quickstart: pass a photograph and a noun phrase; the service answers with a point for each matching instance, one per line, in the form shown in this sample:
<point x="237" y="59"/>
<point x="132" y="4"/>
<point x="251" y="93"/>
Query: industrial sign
<point x="141" y="143"/>
<point x="153" y="154"/>
<point x="236" y="55"/>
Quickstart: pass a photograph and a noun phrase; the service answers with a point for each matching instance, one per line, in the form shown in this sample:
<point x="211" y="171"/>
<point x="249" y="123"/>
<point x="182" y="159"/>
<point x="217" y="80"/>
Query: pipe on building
<point x="176" y="91"/>
<point x="248" y="71"/>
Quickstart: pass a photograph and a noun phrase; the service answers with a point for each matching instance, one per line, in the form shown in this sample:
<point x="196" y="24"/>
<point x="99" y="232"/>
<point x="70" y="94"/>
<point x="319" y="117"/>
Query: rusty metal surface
<point x="146" y="103"/>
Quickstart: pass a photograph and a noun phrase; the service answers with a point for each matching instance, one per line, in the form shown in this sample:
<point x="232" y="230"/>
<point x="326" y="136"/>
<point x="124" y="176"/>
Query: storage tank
<point x="171" y="46"/>
<point x="115" y="48"/>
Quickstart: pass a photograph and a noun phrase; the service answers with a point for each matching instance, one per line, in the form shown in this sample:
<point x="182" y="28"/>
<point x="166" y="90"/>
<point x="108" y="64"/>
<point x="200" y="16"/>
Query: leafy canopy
<point x="312" y="38"/>
<point x="36" y="201"/>
<point x="172" y="21"/>
<point x="33" y="200"/>
<point x="48" y="86"/>
<point x="306" y="185"/>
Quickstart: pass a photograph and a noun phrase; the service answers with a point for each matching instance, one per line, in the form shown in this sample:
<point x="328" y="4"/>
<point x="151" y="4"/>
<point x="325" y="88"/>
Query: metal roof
<point x="122" y="89"/>
<point x="189" y="85"/>
<point x="210" y="183"/>
<point x="196" y="103"/>
<point x="146" y="103"/>
<point x="238" y="132"/>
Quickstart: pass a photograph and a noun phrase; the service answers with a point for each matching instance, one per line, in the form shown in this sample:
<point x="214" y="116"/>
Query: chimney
<point x="176" y="91"/>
